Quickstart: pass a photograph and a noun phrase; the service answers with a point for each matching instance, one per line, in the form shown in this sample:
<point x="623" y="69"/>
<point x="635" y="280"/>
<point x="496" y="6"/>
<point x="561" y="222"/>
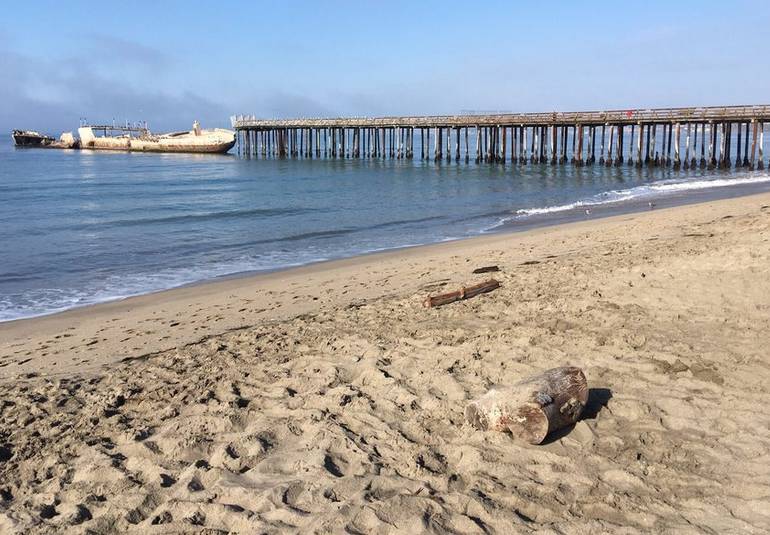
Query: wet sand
<point x="327" y="399"/>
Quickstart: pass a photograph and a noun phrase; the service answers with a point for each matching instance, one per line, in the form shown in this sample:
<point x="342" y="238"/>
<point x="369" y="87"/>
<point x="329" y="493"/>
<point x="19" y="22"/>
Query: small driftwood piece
<point x="486" y="269"/>
<point x="462" y="293"/>
<point x="533" y="407"/>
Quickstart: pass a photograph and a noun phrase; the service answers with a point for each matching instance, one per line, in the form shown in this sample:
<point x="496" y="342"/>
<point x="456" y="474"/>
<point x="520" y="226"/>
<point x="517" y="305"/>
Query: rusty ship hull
<point x="30" y="138"/>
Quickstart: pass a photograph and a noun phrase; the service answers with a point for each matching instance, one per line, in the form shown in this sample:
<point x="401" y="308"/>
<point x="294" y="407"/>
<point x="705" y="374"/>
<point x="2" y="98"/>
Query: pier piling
<point x="537" y="138"/>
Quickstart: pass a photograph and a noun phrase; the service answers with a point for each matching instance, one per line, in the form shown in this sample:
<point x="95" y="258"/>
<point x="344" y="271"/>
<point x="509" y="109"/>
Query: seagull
<point x="651" y="204"/>
<point x="588" y="211"/>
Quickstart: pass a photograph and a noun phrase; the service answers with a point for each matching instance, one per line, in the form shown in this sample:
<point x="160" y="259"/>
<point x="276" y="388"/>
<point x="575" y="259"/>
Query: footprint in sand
<point x="335" y="465"/>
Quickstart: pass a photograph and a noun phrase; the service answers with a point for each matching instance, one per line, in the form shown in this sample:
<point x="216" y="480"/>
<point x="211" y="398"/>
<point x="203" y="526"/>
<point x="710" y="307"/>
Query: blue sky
<point x="170" y="62"/>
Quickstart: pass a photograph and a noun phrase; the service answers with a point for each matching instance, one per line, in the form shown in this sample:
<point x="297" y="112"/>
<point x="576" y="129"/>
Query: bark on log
<point x="463" y="293"/>
<point x="533" y="407"/>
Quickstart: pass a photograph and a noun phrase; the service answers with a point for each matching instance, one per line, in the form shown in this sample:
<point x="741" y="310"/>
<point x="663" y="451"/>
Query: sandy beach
<point x="327" y="399"/>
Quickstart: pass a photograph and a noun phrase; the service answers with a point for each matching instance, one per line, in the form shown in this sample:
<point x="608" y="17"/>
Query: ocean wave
<point x="42" y="301"/>
<point x="187" y="218"/>
<point x="653" y="189"/>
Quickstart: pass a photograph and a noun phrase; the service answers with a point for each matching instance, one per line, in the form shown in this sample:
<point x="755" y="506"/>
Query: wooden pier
<point x="672" y="137"/>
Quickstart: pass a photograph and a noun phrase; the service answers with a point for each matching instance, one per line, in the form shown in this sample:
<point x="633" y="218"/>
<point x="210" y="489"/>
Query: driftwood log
<point x="533" y="407"/>
<point x="486" y="269"/>
<point x="462" y="293"/>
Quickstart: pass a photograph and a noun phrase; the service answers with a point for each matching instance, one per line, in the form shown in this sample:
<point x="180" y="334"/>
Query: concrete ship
<point x="140" y="139"/>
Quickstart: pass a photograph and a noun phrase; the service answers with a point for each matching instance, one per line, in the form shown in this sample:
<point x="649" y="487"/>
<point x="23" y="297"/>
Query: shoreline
<point x="260" y="295"/>
<point x="636" y="205"/>
<point x="511" y="226"/>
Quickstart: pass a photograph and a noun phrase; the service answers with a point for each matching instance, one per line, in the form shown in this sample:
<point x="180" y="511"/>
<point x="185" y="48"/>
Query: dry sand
<point x="327" y="399"/>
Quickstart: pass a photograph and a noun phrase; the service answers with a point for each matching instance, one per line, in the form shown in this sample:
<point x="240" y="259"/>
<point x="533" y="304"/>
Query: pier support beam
<point x="724" y="146"/>
<point x="647" y="156"/>
<point x="745" y="148"/>
<point x="579" y="156"/>
<point x="724" y="138"/>
<point x="532" y="147"/>
<point x="677" y="140"/>
<point x="504" y="148"/>
<point x="721" y="145"/>
<point x="457" y="143"/>
<point x="554" y="144"/>
<point x="601" y="148"/>
<point x="523" y="158"/>
<point x="664" y="150"/>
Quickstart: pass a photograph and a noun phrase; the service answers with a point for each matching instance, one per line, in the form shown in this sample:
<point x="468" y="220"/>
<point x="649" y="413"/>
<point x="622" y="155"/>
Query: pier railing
<point x="627" y="117"/>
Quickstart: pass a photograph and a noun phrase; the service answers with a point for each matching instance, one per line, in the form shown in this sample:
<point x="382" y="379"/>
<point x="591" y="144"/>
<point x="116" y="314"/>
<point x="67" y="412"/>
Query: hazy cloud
<point x="53" y="94"/>
<point x="282" y="104"/>
<point x="117" y="49"/>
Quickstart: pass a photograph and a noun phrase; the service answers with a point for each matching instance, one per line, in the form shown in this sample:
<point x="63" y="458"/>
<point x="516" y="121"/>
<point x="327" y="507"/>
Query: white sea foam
<point x="45" y="301"/>
<point x="653" y="189"/>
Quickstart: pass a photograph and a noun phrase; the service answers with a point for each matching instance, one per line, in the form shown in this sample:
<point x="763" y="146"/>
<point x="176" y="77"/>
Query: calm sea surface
<point x="79" y="227"/>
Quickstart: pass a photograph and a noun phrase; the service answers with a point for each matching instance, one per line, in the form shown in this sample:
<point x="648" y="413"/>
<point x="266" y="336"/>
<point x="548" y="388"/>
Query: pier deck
<point x="679" y="137"/>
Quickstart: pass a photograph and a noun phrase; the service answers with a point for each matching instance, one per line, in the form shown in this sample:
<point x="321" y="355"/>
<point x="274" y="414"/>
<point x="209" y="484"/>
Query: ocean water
<point x="81" y="227"/>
